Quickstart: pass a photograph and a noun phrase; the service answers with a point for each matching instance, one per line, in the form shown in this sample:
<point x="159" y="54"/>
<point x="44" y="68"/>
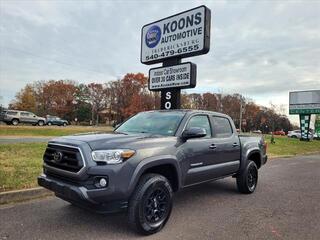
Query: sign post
<point x="304" y="103"/>
<point x="317" y="125"/>
<point x="167" y="41"/>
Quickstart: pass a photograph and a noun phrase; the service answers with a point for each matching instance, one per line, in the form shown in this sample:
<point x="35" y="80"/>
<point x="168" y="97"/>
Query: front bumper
<point x="93" y="199"/>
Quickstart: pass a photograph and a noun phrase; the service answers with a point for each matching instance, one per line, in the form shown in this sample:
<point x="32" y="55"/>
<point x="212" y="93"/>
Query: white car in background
<point x="297" y="134"/>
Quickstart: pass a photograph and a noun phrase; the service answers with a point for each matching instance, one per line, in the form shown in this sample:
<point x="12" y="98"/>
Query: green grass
<point x="46" y="131"/>
<point x="21" y="163"/>
<point x="285" y="146"/>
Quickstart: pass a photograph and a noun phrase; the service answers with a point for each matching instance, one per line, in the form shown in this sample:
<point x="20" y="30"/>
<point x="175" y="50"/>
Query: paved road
<point x="286" y="205"/>
<point x="5" y="140"/>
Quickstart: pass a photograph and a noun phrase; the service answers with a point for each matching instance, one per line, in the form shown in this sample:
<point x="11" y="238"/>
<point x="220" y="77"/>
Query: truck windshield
<point x="162" y="123"/>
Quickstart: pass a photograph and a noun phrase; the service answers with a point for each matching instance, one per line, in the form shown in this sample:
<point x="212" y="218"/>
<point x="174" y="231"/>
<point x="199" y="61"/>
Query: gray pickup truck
<point x="146" y="159"/>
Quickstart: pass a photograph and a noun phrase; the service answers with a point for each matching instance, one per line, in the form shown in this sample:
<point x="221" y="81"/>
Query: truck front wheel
<point x="247" y="180"/>
<point x="150" y="205"/>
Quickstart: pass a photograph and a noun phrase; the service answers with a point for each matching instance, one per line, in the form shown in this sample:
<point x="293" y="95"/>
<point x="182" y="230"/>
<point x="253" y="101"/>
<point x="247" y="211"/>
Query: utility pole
<point x="242" y="106"/>
<point x="240" y="124"/>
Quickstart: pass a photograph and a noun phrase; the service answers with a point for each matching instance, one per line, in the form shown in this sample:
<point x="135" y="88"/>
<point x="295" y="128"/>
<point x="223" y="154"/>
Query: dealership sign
<point x="182" y="35"/>
<point x="176" y="76"/>
<point x="167" y="41"/>
<point x="304" y="102"/>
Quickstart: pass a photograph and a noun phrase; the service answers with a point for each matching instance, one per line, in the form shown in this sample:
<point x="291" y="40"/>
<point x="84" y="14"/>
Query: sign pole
<point x="170" y="98"/>
<point x="304" y="126"/>
<point x="317" y="125"/>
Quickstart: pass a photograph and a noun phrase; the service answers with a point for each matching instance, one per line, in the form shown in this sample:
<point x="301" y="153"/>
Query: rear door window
<point x="25" y="114"/>
<point x="221" y="127"/>
<point x="12" y="113"/>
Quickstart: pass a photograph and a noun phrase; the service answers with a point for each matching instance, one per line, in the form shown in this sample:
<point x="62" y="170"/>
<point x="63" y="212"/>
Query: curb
<point x="23" y="195"/>
<point x="294" y="155"/>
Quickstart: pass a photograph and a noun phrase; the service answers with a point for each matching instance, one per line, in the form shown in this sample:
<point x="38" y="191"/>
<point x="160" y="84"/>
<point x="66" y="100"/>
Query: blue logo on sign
<point x="153" y="36"/>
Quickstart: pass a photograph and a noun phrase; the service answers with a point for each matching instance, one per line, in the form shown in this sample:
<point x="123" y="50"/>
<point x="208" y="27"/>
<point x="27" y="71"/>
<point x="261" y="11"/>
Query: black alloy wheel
<point x="156" y="206"/>
<point x="252" y="177"/>
<point x="247" y="179"/>
<point x="150" y="205"/>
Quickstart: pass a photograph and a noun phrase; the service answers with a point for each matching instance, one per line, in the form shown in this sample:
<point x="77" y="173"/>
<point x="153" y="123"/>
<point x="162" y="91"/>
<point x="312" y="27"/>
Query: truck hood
<point x="99" y="141"/>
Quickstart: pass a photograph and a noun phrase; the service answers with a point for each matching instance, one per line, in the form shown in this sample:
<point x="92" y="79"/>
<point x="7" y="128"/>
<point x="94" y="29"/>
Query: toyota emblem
<point x="57" y="156"/>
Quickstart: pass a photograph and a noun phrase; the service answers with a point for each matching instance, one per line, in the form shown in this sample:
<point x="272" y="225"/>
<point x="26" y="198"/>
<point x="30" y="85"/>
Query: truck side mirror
<point x="194" y="132"/>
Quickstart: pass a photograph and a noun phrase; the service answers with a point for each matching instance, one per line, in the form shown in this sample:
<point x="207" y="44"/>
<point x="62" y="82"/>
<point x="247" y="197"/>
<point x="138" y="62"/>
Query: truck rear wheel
<point x="150" y="205"/>
<point x="247" y="180"/>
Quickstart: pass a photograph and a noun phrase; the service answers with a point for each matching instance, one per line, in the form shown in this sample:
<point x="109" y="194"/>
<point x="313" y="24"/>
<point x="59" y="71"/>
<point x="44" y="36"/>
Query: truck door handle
<point x="235" y="145"/>
<point x="212" y="146"/>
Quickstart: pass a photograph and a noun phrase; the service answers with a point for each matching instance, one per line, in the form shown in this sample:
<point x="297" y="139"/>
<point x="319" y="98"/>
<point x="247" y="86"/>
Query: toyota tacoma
<point x="147" y="159"/>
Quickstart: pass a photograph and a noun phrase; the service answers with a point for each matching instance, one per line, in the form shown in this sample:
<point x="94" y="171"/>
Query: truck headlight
<point x="113" y="156"/>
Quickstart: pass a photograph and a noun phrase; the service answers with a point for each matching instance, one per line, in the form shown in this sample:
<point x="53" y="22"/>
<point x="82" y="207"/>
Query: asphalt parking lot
<point x="286" y="205"/>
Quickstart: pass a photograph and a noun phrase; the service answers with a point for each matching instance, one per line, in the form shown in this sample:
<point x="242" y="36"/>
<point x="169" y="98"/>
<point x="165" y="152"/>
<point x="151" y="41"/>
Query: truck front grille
<point x="67" y="158"/>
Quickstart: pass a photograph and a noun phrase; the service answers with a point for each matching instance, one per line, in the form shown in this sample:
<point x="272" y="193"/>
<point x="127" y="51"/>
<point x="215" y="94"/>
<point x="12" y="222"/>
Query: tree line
<point x="115" y="101"/>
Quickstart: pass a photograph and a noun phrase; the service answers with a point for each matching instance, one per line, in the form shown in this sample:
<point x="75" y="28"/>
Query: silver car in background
<point x="15" y="117"/>
<point x="297" y="134"/>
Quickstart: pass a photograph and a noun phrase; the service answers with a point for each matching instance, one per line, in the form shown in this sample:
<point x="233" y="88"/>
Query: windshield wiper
<point x="121" y="132"/>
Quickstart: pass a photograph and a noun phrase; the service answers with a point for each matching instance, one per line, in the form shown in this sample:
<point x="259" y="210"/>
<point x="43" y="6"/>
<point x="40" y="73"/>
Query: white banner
<point x="178" y="76"/>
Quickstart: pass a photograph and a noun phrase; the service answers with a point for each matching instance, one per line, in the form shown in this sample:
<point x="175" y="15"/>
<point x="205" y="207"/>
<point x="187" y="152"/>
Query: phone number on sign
<point x="173" y="52"/>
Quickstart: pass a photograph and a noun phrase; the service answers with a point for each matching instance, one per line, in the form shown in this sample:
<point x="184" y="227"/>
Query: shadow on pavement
<point x="117" y="223"/>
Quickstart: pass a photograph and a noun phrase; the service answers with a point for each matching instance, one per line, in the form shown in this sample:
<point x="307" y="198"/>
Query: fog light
<point x="103" y="182"/>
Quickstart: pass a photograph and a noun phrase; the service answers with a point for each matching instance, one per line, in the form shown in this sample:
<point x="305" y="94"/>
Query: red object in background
<point x="282" y="133"/>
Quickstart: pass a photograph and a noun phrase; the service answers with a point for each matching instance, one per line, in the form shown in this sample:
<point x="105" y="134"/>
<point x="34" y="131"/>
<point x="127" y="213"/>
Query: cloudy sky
<point x="261" y="49"/>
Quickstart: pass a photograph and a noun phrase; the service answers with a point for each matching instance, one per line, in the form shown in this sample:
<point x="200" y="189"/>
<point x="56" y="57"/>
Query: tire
<point x="64" y="124"/>
<point x="41" y="123"/>
<point x="294" y="136"/>
<point x="15" y="122"/>
<point x="145" y="214"/>
<point x="49" y="123"/>
<point x="247" y="180"/>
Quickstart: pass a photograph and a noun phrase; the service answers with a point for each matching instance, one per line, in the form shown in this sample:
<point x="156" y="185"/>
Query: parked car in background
<point x="316" y="136"/>
<point x="257" y="131"/>
<point x="2" y="113"/>
<point x="54" y="120"/>
<point x="281" y="133"/>
<point x="15" y="117"/>
<point x="297" y="134"/>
